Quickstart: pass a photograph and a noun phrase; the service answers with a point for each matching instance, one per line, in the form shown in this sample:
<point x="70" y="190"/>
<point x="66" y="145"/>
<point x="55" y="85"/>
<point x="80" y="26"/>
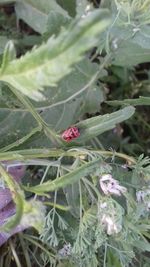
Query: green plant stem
<point x="27" y="104"/>
<point x="18" y="264"/>
<point x="25" y="250"/>
<point x="45" y="153"/>
<point x="105" y="255"/>
<point x="36" y="243"/>
<point x="56" y="206"/>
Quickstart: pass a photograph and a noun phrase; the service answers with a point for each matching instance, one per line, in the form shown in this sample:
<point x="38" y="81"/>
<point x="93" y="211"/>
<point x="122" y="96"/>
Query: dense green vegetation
<point x="74" y="133"/>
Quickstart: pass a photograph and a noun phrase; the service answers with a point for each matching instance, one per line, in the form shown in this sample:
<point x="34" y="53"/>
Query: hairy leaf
<point x="50" y="62"/>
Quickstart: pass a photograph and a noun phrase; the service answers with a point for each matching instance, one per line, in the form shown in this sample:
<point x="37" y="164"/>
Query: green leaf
<point x="130" y="54"/>
<point x="97" y="125"/>
<point x="14" y="125"/>
<point x="36" y="13"/>
<point x="47" y="64"/>
<point x="141" y="101"/>
<point x="130" y="45"/>
<point x="76" y="86"/>
<point x="67" y="179"/>
<point x="94" y="97"/>
<point x="75" y="93"/>
<point x="17" y="125"/>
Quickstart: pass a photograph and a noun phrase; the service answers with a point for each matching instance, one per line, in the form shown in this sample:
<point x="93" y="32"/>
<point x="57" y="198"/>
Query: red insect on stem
<point x="70" y="134"/>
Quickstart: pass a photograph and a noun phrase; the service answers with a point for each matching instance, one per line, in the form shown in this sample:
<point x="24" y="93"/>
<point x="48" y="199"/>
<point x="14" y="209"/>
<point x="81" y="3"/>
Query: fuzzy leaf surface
<point x="46" y="65"/>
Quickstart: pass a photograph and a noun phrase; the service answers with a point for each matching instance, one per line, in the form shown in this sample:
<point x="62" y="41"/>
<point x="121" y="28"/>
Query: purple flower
<point x="33" y="216"/>
<point x="5" y="214"/>
<point x="7" y="208"/>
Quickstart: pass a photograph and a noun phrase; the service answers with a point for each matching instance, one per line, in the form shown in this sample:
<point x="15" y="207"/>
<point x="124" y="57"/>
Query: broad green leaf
<point x="67" y="90"/>
<point x="14" y="125"/>
<point x="97" y="125"/>
<point x="130" y="54"/>
<point x="18" y="124"/>
<point x="46" y="65"/>
<point x="67" y="179"/>
<point x="141" y="101"/>
<point x="94" y="97"/>
<point x="36" y="13"/>
<point x="77" y="85"/>
<point x="130" y="45"/>
<point x="67" y="96"/>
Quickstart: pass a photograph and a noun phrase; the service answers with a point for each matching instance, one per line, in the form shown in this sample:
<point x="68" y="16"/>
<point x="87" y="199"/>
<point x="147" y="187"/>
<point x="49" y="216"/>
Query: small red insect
<point x="70" y="134"/>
